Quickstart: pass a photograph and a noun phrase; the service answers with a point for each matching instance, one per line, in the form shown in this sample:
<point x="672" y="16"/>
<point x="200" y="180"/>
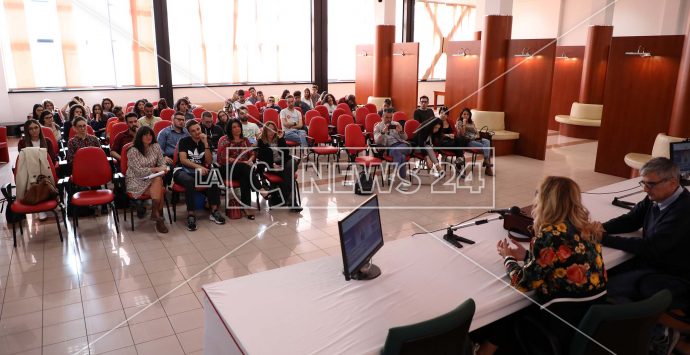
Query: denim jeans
<point x="398" y="153"/>
<point x="482" y="143"/>
<point x="296" y="135"/>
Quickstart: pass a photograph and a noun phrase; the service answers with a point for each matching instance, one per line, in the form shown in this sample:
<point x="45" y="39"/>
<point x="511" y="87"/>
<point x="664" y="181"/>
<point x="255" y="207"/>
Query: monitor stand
<point x="367" y="272"/>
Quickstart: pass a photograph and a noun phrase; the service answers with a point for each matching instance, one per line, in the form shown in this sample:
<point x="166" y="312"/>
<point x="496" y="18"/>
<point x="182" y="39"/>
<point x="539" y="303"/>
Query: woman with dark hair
<point x="162" y="105"/>
<point x="223" y="119"/>
<point x="49" y="106"/>
<point x="107" y="105"/>
<point x="144" y="158"/>
<point x="285" y="94"/>
<point x="308" y="98"/>
<point x="428" y="137"/>
<point x="98" y="120"/>
<point x="36" y="111"/>
<point x="81" y="139"/>
<point x="47" y="120"/>
<point x="564" y="266"/>
<point x="274" y="153"/>
<point x="33" y="137"/>
<point x="352" y="102"/>
<point x="182" y="105"/>
<point x="466" y="127"/>
<point x="330" y="104"/>
<point x="139" y="107"/>
<point x="236" y="160"/>
<point x="75" y="111"/>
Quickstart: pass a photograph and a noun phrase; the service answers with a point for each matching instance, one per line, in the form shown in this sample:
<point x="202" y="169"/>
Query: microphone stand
<point x="624" y="204"/>
<point x="455" y="239"/>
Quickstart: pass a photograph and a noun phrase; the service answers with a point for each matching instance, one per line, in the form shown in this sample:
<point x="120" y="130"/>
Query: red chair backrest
<point x="354" y="139"/>
<point x="167" y="114"/>
<point x="159" y="126"/>
<point x="371" y="108"/>
<point x="270" y="114"/>
<point x="344" y="106"/>
<point x="253" y="113"/>
<point x="124" y="160"/>
<point x="311" y="114"/>
<point x="50" y="136"/>
<point x="323" y="110"/>
<point x="400" y="116"/>
<point x="260" y="104"/>
<point x="282" y="103"/>
<point x="319" y="130"/>
<point x="154" y="103"/>
<point x="91" y="167"/>
<point x="273" y="118"/>
<point x="410" y="127"/>
<point x="111" y="119"/>
<point x="361" y="115"/>
<point x="336" y="114"/>
<point x="370" y="121"/>
<point x="73" y="131"/>
<point x="117" y="129"/>
<point x="299" y="109"/>
<point x="343" y="121"/>
<point x="129" y="109"/>
<point x="198" y="111"/>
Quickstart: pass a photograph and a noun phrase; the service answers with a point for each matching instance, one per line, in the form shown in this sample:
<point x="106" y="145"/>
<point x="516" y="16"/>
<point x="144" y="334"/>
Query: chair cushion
<point x="577" y="121"/>
<point x="273" y="178"/>
<point x="321" y="150"/>
<point x="232" y="184"/>
<point x="493" y="119"/>
<point x="18" y="207"/>
<point x="504" y="135"/>
<point x="636" y="160"/>
<point x="178" y="188"/>
<point x="92" y="197"/>
<point x="586" y="111"/>
<point x="142" y="197"/>
<point x="3" y="144"/>
<point x="367" y="160"/>
<point x="291" y="143"/>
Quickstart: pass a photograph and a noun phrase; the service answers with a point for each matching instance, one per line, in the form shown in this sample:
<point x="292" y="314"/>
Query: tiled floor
<point x="97" y="294"/>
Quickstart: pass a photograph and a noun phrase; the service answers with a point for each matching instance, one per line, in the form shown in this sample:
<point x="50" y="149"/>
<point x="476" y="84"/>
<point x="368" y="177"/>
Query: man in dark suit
<point x="664" y="216"/>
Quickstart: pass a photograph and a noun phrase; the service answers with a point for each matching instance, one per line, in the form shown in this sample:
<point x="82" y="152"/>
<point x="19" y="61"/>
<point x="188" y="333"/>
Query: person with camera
<point x="390" y="134"/>
<point x="466" y="127"/>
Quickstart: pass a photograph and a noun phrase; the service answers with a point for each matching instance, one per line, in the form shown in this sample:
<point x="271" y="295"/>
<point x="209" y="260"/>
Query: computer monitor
<point x="360" y="238"/>
<point x="680" y="155"/>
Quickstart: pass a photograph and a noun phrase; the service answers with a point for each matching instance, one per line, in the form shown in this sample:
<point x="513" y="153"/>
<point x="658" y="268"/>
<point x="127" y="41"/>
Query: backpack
<point x="364" y="184"/>
<point x="10" y="216"/>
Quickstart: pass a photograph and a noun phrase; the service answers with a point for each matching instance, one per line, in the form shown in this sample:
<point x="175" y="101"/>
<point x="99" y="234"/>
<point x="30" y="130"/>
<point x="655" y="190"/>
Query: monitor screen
<point x="680" y="154"/>
<point x="360" y="236"/>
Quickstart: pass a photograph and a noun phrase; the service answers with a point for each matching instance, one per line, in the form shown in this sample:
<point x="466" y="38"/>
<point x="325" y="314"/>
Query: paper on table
<point x="151" y="176"/>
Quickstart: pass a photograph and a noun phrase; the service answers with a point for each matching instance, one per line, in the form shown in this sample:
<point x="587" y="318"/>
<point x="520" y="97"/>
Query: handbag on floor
<point x="233" y="211"/>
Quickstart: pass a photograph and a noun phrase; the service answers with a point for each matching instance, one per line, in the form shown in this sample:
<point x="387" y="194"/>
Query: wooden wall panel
<point x="404" y="77"/>
<point x="527" y="94"/>
<point x="364" y="72"/>
<point x="462" y="76"/>
<point x="565" y="87"/>
<point x="638" y="97"/>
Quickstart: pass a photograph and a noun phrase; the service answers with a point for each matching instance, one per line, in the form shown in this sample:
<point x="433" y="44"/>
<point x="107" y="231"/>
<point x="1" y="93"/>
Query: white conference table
<point x="309" y="308"/>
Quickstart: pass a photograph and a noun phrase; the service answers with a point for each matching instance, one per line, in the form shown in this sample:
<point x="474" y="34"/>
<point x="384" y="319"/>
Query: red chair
<point x="117" y="129"/>
<point x="18" y="207"/>
<point x="91" y="168"/>
<point x="344" y="106"/>
<point x="73" y="131"/>
<point x="4" y="148"/>
<point x="361" y="115"/>
<point x="260" y="104"/>
<point x="371" y="108"/>
<point x="273" y="116"/>
<point x="336" y="114"/>
<point x="299" y="109"/>
<point x="343" y="122"/>
<point x="323" y="110"/>
<point x="355" y="143"/>
<point x="282" y="103"/>
<point x="410" y="127"/>
<point x="154" y="103"/>
<point x="160" y="125"/>
<point x="400" y="116"/>
<point x="49" y="135"/>
<point x="369" y="122"/>
<point x="275" y="180"/>
<point x="167" y="114"/>
<point x="318" y="133"/>
<point x="123" y="168"/>
<point x="310" y="115"/>
<point x="111" y="119"/>
<point x="254" y="114"/>
<point x="129" y="109"/>
<point x="198" y="111"/>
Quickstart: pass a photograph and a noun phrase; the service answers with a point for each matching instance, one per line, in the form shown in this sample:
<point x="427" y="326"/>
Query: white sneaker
<point x="404" y="186"/>
<point x="42" y="216"/>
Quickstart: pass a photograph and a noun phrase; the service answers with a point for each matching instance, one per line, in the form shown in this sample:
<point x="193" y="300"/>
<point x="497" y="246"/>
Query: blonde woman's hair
<point x="264" y="132"/>
<point x="559" y="200"/>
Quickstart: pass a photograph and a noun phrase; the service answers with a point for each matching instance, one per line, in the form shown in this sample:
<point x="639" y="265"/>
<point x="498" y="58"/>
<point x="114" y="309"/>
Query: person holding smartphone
<point x="389" y="133"/>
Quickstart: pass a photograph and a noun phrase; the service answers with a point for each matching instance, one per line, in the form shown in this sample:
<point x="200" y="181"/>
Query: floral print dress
<point x="560" y="264"/>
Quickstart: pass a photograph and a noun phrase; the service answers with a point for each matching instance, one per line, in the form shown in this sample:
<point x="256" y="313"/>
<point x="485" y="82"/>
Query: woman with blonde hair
<point x="564" y="265"/>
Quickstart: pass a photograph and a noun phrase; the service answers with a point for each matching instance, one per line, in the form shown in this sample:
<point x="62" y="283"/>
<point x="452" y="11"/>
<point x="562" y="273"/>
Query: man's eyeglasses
<point x="650" y="184"/>
<point x="424" y="102"/>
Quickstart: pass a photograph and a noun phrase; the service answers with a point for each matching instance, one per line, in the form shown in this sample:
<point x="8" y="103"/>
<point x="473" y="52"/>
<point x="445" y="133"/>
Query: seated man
<point x="299" y="103"/>
<point x="241" y="101"/>
<point x="390" y="134"/>
<point x="253" y="98"/>
<point x="168" y="139"/>
<point x="423" y="113"/>
<point x="125" y="137"/>
<point x="271" y="104"/>
<point x="291" y="121"/>
<point x="250" y="130"/>
<point x="211" y="131"/>
<point x="148" y="119"/>
<point x="664" y="218"/>
<point x="194" y="157"/>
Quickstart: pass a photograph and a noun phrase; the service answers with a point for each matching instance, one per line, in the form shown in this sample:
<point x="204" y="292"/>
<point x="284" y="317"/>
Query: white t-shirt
<point x="250" y="130"/>
<point x="288" y="115"/>
<point x="239" y="104"/>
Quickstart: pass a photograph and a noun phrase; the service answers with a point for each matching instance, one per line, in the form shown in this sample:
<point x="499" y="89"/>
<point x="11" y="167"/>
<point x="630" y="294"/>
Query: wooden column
<point x="680" y="116"/>
<point x="477" y="35"/>
<point x="383" y="56"/>
<point x="492" y="62"/>
<point x="594" y="64"/>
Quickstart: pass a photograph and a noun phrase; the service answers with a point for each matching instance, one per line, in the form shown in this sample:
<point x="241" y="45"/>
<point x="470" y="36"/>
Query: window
<point x="434" y="21"/>
<point x="216" y="41"/>
<point x="349" y="23"/>
<point x="78" y="43"/>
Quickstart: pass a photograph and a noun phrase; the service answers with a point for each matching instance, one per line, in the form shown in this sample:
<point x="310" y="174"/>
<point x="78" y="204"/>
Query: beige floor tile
<point x="99" y="290"/>
<point x="137" y="315"/>
<point x="21" y="323"/>
<point x="133" y="283"/>
<point x="186" y="321"/>
<point x="21" y="342"/>
<point x="23" y="306"/>
<point x="138" y="298"/>
<point x="78" y="346"/>
<point x="130" y="350"/>
<point x="105" y="321"/>
<point x="179" y="304"/>
<point x="102" y="305"/>
<point x="64" y="331"/>
<point x="63" y="314"/>
<point x="112" y="340"/>
<point x="192" y="340"/>
<point x="169" y="345"/>
<point x="151" y="330"/>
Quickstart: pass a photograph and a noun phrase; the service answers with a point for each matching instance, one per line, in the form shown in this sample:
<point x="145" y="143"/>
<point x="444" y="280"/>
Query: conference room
<point x="344" y="177"/>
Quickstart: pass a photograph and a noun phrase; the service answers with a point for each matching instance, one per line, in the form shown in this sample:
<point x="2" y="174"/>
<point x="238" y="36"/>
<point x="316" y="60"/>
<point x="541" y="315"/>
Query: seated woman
<point x="33" y="137"/>
<point x="120" y="114"/>
<point x="107" y="105"/>
<point x="465" y="127"/>
<point x="274" y="153"/>
<point x="564" y="265"/>
<point x="145" y="157"/>
<point x="223" y="119"/>
<point x="161" y="105"/>
<point x="330" y="104"/>
<point x="75" y="110"/>
<point x="81" y="139"/>
<point x="429" y="137"/>
<point x="98" y="120"/>
<point x="450" y="139"/>
<point x="48" y="120"/>
<point x="36" y="111"/>
<point x="50" y="107"/>
<point x="236" y="159"/>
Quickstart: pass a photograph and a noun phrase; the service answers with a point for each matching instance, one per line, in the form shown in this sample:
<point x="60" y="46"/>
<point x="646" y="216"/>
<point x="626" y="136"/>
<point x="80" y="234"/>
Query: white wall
<point x="649" y="18"/>
<point x="535" y="18"/>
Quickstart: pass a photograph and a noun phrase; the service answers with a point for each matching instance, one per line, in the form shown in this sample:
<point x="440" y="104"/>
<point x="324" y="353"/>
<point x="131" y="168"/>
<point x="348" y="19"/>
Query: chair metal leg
<point x="117" y="223"/>
<point x="14" y="234"/>
<point x="57" y="221"/>
<point x="167" y="208"/>
<point x="21" y="227"/>
<point x="131" y="217"/>
<point x="75" y="224"/>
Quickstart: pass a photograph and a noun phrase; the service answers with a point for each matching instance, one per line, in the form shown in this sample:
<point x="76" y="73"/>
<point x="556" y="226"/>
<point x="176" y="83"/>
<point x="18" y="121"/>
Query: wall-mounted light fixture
<point x="524" y="53"/>
<point x="462" y="52"/>
<point x="640" y="52"/>
<point x="563" y="56"/>
<point x="363" y="54"/>
<point x="401" y="53"/>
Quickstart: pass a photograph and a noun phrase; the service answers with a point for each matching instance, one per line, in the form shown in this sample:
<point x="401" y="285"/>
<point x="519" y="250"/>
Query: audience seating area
<point x="583" y="122"/>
